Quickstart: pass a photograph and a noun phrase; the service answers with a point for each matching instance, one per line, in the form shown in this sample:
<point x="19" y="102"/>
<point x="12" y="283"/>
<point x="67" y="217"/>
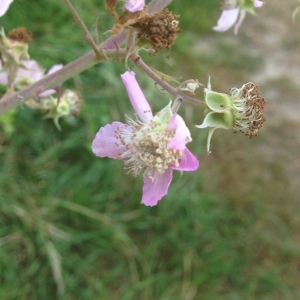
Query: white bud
<point x="189" y="86"/>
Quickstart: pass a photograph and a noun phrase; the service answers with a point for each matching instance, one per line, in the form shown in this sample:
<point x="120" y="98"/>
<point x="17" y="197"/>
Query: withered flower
<point x="159" y="29"/>
<point x="242" y="110"/>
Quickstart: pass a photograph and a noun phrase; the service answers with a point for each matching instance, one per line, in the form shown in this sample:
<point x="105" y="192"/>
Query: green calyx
<point x="219" y="113"/>
<point x="219" y="110"/>
<point x="247" y="5"/>
<point x="163" y="117"/>
<point x="12" y="51"/>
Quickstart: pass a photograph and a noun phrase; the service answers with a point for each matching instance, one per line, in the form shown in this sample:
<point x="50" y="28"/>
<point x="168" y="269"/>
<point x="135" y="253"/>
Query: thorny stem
<point x="82" y="25"/>
<point x="49" y="81"/>
<point x="112" y="49"/>
<point x="167" y="87"/>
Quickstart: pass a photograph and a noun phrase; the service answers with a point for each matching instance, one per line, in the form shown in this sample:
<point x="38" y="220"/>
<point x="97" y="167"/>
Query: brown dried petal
<point x="111" y="5"/>
<point x="126" y="19"/>
<point x="21" y="34"/>
<point x="160" y="29"/>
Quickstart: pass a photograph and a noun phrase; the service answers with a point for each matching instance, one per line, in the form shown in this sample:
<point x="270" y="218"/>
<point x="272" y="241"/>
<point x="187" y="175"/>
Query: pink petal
<point x="54" y="68"/>
<point x="182" y="135"/>
<point x="49" y="92"/>
<point x="4" y="5"/>
<point x="154" y="190"/>
<point x="3" y="78"/>
<point x="105" y="144"/>
<point x="188" y="162"/>
<point x="227" y="19"/>
<point x="239" y="22"/>
<point x="137" y="98"/>
<point x="134" y="5"/>
<point x="31" y="71"/>
<point x="258" y="3"/>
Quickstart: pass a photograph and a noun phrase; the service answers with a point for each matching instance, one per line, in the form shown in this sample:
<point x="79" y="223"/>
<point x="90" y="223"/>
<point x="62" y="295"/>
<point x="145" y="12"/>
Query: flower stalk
<point x="167" y="87"/>
<point x="176" y="105"/>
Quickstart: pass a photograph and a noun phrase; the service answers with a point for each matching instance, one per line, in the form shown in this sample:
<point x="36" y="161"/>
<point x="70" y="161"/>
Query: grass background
<point x="71" y="223"/>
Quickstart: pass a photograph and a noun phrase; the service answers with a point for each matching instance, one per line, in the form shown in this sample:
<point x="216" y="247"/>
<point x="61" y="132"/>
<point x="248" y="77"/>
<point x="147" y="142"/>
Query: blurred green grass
<point x="71" y="224"/>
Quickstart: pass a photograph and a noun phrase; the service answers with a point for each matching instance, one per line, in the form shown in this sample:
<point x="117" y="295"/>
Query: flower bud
<point x="189" y="86"/>
<point x="14" y="47"/>
<point x="69" y="104"/>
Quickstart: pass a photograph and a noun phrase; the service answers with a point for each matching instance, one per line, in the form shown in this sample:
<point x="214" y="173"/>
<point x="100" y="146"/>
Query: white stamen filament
<point x="147" y="147"/>
<point x="247" y="107"/>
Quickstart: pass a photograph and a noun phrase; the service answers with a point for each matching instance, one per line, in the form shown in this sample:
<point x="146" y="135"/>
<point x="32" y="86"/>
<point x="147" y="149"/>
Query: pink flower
<point x="28" y="72"/>
<point x="4" y="5"/>
<point x="53" y="69"/>
<point x="228" y="19"/>
<point x="258" y="3"/>
<point x="134" y="5"/>
<point x="234" y="16"/>
<point x="153" y="145"/>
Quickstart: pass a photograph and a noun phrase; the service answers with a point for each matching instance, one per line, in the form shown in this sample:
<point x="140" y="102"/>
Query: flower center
<point x="147" y="147"/>
<point x="248" y="106"/>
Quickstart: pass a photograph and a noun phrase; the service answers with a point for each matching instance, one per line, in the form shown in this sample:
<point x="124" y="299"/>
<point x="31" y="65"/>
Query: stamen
<point x="146" y="147"/>
<point x="248" y="106"/>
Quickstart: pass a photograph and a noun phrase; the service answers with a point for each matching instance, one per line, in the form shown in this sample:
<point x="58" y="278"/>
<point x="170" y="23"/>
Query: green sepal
<point x="163" y="117"/>
<point x="247" y="5"/>
<point x="217" y="102"/>
<point x="215" y="120"/>
<point x="218" y="120"/>
<point x="210" y="133"/>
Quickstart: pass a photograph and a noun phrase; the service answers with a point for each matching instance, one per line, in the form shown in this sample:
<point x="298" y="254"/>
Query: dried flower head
<point x="248" y="107"/>
<point x="242" y="110"/>
<point x="159" y="29"/>
<point x="21" y="34"/>
<point x="126" y="19"/>
<point x="12" y="50"/>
